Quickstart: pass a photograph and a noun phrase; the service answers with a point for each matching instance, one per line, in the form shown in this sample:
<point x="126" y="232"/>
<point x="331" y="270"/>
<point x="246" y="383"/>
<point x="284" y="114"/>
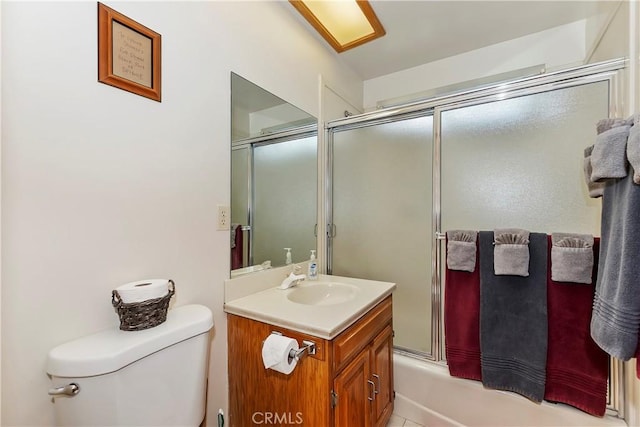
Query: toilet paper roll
<point x="275" y="353"/>
<point x="143" y="290"/>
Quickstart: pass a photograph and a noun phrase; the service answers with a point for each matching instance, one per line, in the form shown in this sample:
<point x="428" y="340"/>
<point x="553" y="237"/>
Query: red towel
<point x="577" y="369"/>
<point x="462" y="322"/>
<point x="238" y="249"/>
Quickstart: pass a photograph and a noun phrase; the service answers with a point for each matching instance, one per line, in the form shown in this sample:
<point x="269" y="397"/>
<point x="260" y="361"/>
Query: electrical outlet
<point x="224" y="219"/>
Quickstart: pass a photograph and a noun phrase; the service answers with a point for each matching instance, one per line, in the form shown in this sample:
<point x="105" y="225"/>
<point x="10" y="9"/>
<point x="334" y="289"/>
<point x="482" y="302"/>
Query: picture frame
<point x="129" y="54"/>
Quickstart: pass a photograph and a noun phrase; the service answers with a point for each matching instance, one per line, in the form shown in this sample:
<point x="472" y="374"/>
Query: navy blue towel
<point x="513" y="322"/>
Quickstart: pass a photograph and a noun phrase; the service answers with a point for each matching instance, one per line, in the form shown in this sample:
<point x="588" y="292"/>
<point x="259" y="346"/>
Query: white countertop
<point x="324" y="321"/>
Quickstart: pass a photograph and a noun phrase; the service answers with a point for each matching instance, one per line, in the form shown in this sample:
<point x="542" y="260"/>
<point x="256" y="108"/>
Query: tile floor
<point x="397" y="421"/>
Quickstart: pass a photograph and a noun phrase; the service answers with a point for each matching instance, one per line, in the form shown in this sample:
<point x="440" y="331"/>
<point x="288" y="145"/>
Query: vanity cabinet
<point x="347" y="383"/>
<point x="364" y="388"/>
<point x="363" y="384"/>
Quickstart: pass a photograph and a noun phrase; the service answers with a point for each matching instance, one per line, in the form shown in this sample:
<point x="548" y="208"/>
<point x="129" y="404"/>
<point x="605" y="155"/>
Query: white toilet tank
<point x="153" y="377"/>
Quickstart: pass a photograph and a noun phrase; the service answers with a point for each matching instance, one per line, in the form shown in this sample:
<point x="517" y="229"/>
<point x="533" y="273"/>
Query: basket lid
<point x="113" y="349"/>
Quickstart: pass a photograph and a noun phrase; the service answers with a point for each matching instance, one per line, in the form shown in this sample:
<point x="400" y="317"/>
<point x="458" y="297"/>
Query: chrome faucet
<point x="292" y="279"/>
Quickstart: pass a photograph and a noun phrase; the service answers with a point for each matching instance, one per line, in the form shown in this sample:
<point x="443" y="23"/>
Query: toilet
<point x="153" y="377"/>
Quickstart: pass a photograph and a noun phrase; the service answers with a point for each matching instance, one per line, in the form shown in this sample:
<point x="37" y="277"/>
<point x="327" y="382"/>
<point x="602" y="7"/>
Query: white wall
<point x="610" y="36"/>
<point x="101" y="187"/>
<point x="554" y="47"/>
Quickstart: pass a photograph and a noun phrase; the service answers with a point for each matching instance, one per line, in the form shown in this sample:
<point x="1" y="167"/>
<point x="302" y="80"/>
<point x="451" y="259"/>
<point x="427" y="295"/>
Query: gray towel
<point x="511" y="252"/>
<point x="461" y="250"/>
<point x="609" y="155"/>
<point x="633" y="149"/>
<point x="513" y="322"/>
<point x="595" y="188"/>
<point x="571" y="257"/>
<point x="615" y="321"/>
<point x="606" y="124"/>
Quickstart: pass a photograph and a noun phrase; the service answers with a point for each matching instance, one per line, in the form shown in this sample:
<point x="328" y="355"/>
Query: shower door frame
<point x="608" y="71"/>
<point x="331" y="228"/>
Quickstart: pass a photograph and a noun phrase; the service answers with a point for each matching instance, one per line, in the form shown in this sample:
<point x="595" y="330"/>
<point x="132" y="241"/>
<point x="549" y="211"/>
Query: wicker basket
<point x="137" y="316"/>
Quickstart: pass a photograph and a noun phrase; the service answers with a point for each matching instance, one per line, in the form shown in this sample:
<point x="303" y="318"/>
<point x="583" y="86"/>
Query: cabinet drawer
<point x="360" y="334"/>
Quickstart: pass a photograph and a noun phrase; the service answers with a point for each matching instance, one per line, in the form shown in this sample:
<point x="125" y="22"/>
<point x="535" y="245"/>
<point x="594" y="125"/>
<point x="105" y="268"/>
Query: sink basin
<point x="322" y="293"/>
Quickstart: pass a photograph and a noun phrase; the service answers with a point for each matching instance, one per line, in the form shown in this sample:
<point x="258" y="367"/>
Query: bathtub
<point x="426" y="394"/>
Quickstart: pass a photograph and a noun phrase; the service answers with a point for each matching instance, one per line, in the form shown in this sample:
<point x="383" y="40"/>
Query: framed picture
<point x="128" y="54"/>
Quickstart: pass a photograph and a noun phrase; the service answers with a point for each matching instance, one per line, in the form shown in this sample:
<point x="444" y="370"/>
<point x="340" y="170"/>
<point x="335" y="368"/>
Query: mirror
<point x="273" y="179"/>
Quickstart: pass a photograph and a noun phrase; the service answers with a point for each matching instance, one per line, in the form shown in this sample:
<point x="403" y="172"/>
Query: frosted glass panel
<point x="284" y="200"/>
<point x="240" y="186"/>
<point x="518" y="162"/>
<point x="382" y="210"/>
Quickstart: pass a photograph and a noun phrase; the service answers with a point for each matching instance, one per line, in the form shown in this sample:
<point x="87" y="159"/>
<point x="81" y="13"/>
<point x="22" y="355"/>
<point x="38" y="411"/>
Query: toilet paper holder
<point x="308" y="347"/>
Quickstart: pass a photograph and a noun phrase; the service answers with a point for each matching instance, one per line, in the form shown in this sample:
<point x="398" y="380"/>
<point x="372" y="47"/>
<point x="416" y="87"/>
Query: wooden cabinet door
<point x="382" y="376"/>
<point x="259" y="396"/>
<point x="353" y="404"/>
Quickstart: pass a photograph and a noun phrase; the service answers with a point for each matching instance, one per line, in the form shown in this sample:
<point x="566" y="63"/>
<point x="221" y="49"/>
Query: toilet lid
<point x="113" y="349"/>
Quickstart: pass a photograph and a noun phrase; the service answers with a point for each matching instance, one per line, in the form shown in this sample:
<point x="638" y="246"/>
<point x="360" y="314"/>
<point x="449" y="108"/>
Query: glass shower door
<point x="518" y="162"/>
<point x="382" y="213"/>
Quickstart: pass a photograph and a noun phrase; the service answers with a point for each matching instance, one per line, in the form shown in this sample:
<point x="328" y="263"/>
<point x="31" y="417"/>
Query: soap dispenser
<point x="313" y="267"/>
<point x="287" y="259"/>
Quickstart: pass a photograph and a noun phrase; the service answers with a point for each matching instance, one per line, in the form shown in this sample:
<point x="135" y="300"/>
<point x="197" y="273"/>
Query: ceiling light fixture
<point x="345" y="24"/>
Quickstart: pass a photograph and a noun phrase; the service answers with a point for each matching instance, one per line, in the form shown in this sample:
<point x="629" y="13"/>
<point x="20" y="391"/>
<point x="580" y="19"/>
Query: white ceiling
<point x="419" y="32"/>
